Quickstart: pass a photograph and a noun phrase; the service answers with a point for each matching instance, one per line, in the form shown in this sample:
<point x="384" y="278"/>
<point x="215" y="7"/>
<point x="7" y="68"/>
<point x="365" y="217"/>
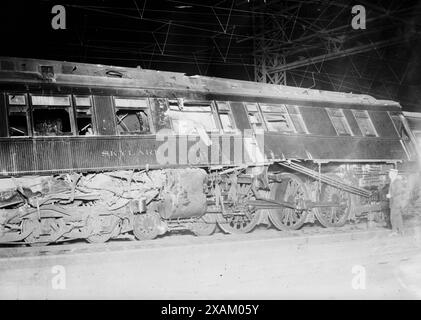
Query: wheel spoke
<point x="296" y="215"/>
<point x="291" y="217"/>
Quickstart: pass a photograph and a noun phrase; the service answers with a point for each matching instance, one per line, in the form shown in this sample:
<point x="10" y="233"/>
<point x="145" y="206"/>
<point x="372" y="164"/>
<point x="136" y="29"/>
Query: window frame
<point x="258" y="112"/>
<point x="391" y="116"/>
<point x="146" y="109"/>
<point x="225" y="112"/>
<point x="376" y="134"/>
<point x="283" y="111"/>
<point x="344" y="122"/>
<point x="93" y="118"/>
<point x="195" y="103"/>
<point x="299" y="115"/>
<point x="70" y="111"/>
<point x="28" y="115"/>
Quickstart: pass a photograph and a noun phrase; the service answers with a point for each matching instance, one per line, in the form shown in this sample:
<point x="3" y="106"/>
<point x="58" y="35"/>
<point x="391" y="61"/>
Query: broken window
<point x="364" y="123"/>
<point x="132" y="116"/>
<point x="297" y="119"/>
<point x="191" y="117"/>
<point x="51" y="122"/>
<point x="339" y="122"/>
<point x="225" y="115"/>
<point x="18" y="116"/>
<point x="255" y="117"/>
<point x="277" y="118"/>
<point x="51" y="115"/>
<point x="84" y="122"/>
<point x="132" y="122"/>
<point x="17" y="99"/>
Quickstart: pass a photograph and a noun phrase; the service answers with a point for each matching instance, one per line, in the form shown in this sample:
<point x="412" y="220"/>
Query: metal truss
<point x="269" y="31"/>
<point x="291" y="42"/>
<point x="312" y="44"/>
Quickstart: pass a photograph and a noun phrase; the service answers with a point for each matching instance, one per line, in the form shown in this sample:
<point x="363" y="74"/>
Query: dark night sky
<point x="97" y="34"/>
<point x="209" y="38"/>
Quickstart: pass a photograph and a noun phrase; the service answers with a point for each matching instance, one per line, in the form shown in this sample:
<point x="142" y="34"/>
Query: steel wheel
<point x="105" y="227"/>
<point x="238" y="222"/>
<point x="205" y="225"/>
<point x="146" y="226"/>
<point x="334" y="216"/>
<point x="42" y="233"/>
<point x="290" y="189"/>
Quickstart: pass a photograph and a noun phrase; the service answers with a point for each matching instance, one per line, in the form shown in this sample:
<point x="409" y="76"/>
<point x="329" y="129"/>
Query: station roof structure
<point x="309" y="44"/>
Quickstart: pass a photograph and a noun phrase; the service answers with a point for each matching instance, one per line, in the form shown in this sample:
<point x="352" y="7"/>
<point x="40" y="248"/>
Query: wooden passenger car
<point x="72" y="118"/>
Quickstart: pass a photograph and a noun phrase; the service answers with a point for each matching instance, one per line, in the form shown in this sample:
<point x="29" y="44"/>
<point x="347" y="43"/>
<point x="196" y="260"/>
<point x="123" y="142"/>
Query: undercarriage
<point x="98" y="207"/>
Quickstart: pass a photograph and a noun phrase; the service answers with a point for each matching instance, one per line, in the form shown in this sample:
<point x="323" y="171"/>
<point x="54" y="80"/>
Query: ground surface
<point x="353" y="263"/>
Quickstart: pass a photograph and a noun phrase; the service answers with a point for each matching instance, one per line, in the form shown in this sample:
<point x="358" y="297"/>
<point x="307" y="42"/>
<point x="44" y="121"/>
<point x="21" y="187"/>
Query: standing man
<point x="397" y="201"/>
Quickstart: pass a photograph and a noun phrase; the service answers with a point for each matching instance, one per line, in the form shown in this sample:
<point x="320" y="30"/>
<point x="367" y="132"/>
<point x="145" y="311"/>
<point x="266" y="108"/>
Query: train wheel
<point x="42" y="232"/>
<point x="291" y="189"/>
<point x="106" y="226"/>
<point x="334" y="216"/>
<point x="238" y="223"/>
<point x="146" y="226"/>
<point x="205" y="225"/>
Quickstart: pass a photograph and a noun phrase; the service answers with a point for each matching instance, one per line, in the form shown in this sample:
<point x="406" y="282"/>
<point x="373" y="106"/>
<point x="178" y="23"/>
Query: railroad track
<point x="306" y="235"/>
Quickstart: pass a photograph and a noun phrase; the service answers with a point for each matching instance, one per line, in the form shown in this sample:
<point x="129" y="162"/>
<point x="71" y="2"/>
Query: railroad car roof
<point x="71" y="73"/>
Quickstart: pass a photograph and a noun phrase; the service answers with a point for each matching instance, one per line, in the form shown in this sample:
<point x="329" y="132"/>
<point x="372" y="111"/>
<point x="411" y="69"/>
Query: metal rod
<point x="326" y="179"/>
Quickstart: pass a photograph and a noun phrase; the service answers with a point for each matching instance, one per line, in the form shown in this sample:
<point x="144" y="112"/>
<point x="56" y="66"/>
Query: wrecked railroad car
<point x="97" y="152"/>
